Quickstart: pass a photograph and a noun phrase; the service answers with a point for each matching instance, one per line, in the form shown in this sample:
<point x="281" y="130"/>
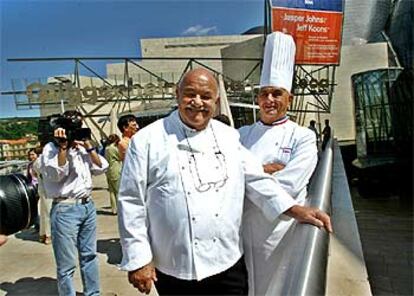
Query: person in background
<point x="128" y="126"/>
<point x="286" y="150"/>
<point x="66" y="167"/>
<point x="32" y="179"/>
<point x="31" y="176"/>
<point x="312" y="127"/>
<point x="45" y="204"/>
<point x="102" y="146"/>
<point x="326" y="134"/>
<point x="181" y="196"/>
<point x="113" y="173"/>
<point x="223" y="118"/>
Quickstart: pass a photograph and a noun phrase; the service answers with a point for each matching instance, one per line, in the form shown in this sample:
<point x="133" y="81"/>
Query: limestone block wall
<point x="238" y="70"/>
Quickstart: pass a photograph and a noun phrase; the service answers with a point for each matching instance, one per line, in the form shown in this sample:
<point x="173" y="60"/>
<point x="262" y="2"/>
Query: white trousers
<point x="45" y="205"/>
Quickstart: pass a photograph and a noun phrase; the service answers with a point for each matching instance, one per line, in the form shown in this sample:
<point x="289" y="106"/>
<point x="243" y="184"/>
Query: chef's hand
<point x="311" y="216"/>
<point x="143" y="278"/>
<point x="271" y="168"/>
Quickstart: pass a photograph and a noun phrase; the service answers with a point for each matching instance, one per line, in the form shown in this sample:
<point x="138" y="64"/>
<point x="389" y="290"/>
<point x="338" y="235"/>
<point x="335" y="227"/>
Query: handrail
<point x="14" y="166"/>
<point x="301" y="261"/>
<point x="346" y="272"/>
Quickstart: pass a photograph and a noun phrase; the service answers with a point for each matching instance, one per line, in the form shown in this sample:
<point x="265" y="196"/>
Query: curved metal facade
<point x="363" y="20"/>
<point x="401" y="32"/>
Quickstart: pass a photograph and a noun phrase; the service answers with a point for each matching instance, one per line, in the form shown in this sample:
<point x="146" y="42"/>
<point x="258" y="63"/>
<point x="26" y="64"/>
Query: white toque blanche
<point x="278" y="61"/>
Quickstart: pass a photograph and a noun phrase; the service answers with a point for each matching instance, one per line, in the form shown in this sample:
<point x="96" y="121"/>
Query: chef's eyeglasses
<point x="202" y="186"/>
<point x="199" y="184"/>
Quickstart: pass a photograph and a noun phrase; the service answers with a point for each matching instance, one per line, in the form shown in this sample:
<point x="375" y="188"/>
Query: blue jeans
<point x="73" y="228"/>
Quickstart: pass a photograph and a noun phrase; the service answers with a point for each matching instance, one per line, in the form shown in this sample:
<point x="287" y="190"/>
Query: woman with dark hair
<point x="114" y="171"/>
<point x="31" y="175"/>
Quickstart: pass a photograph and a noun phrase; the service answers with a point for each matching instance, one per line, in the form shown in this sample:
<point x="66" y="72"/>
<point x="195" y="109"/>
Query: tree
<point x="17" y="129"/>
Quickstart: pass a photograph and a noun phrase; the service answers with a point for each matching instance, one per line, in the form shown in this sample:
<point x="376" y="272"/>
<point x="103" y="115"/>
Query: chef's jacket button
<point x="195" y="243"/>
<point x="217" y="167"/>
<point x="183" y="168"/>
<point x="188" y="192"/>
<point x="214" y="240"/>
<point x="217" y="190"/>
<point x="193" y="219"/>
<point x="216" y="215"/>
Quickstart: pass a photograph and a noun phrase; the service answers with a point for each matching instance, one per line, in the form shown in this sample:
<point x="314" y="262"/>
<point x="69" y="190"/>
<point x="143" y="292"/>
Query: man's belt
<point x="83" y="200"/>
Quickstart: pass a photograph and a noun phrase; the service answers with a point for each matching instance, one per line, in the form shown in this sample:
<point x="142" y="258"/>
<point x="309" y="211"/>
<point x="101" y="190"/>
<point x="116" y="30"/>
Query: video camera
<point x="73" y="128"/>
<point x="18" y="203"/>
<point x="71" y="124"/>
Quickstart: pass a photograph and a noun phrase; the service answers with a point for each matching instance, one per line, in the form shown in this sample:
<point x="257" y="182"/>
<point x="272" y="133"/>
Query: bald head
<point x="197" y="96"/>
<point x="199" y="74"/>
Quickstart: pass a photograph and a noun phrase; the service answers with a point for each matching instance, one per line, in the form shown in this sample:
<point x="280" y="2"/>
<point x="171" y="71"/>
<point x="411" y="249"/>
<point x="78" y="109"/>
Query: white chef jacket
<point x="295" y="147"/>
<point x="163" y="215"/>
<point x="72" y="180"/>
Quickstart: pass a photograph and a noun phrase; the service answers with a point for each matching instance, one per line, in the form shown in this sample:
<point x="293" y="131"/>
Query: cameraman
<point x="66" y="167"/>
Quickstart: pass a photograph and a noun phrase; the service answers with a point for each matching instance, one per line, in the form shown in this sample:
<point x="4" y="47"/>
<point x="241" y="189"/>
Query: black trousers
<point x="233" y="281"/>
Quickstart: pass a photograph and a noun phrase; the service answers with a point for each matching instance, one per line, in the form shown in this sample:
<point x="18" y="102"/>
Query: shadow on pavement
<point x="30" y="286"/>
<point x="105" y="213"/>
<point x="112" y="248"/>
<point x="28" y="234"/>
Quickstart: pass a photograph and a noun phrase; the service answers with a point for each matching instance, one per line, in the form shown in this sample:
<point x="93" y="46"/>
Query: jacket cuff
<point x="133" y="260"/>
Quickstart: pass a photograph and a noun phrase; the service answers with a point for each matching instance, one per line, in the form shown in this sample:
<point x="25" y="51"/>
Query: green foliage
<point x="13" y="130"/>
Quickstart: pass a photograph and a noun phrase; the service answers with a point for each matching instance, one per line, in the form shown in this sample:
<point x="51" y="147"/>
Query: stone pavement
<point x="27" y="267"/>
<point x="385" y="225"/>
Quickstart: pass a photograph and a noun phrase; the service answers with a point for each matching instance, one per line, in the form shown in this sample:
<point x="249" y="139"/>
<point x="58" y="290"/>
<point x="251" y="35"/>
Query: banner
<point x="316" y="26"/>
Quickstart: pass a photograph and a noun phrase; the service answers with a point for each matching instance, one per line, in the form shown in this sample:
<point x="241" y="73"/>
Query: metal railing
<point x="13" y="166"/>
<point x="301" y="262"/>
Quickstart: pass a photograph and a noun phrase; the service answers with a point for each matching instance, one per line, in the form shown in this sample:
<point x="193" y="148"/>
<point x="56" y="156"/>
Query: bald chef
<point x="181" y="199"/>
<point x="287" y="151"/>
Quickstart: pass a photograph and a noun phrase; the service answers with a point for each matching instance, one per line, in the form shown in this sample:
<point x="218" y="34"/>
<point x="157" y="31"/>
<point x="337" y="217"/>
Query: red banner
<point x="317" y="33"/>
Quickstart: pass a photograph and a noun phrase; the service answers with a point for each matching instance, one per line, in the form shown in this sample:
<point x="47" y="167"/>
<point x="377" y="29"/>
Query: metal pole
<point x="62" y="104"/>
<point x="253" y="103"/>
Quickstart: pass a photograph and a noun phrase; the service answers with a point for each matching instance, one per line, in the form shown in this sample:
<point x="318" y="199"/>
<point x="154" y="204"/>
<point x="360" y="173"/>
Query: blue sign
<point x="324" y="5"/>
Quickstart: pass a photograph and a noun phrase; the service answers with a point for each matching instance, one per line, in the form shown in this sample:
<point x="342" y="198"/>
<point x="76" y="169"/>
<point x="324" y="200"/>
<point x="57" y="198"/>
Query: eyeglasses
<point x="204" y="185"/>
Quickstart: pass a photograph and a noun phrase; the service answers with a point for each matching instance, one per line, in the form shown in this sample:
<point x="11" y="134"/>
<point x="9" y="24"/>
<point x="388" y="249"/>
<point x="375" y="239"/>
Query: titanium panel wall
<point x="363" y="19"/>
<point x="401" y="32"/>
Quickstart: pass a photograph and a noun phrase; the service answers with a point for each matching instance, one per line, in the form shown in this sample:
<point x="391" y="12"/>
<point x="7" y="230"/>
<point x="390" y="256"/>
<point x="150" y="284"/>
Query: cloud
<point x="198" y="30"/>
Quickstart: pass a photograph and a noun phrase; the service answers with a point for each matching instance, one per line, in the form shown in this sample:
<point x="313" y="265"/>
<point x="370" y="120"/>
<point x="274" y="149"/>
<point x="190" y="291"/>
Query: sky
<point x="102" y="28"/>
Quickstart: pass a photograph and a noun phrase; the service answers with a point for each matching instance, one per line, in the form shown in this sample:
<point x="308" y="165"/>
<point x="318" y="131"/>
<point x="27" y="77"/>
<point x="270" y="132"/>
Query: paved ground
<point x="383" y="203"/>
<point x="27" y="267"/>
<point x="386" y="228"/>
<point x="385" y="224"/>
